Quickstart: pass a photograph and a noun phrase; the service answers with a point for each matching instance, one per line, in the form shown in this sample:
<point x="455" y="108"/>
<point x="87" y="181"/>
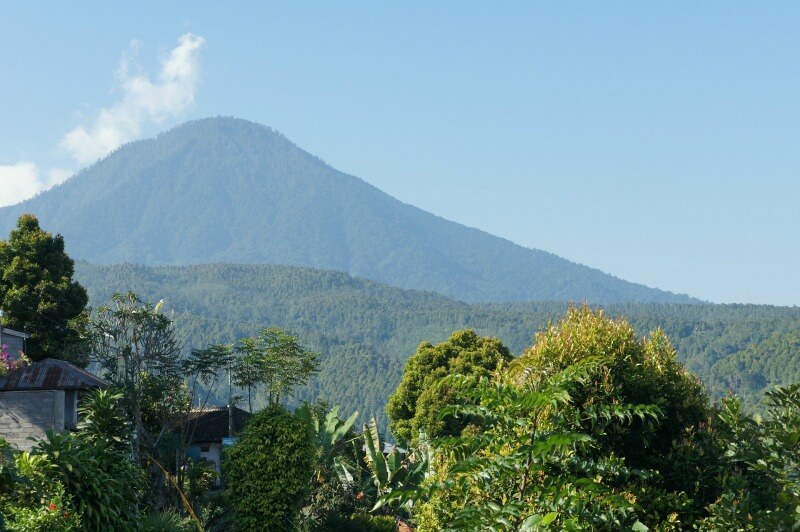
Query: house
<point x="207" y="433"/>
<point x="13" y="340"/>
<point x="39" y="397"/>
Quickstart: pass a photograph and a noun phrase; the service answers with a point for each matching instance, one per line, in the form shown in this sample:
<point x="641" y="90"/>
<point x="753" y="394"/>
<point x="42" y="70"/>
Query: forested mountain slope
<point x="228" y="190"/>
<point x="365" y="330"/>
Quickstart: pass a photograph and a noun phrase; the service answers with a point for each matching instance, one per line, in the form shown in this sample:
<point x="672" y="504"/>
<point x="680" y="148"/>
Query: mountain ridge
<point x="233" y="191"/>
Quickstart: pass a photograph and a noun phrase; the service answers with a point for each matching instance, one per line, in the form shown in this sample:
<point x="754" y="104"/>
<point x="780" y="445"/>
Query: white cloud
<point x="18" y="181"/>
<point x="143" y="101"/>
<point x="22" y="180"/>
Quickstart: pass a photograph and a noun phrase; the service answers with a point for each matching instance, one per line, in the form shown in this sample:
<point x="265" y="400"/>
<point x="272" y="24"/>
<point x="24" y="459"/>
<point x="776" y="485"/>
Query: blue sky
<point x="656" y="142"/>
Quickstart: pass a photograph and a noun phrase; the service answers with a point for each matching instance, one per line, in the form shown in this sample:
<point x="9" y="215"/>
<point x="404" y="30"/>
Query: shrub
<point x="167" y="521"/>
<point x="105" y="486"/>
<point x="32" y="499"/>
<point x="269" y="471"/>
<point x="360" y="523"/>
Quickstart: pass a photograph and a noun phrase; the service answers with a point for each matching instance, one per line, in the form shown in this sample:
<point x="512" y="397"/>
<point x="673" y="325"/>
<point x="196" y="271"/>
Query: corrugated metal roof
<point x="50" y="374"/>
<point x="12" y="332"/>
<point x="211" y="424"/>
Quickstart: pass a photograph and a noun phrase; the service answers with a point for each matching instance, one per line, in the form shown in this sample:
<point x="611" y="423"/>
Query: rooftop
<point x="50" y="374"/>
<point x="211" y="424"/>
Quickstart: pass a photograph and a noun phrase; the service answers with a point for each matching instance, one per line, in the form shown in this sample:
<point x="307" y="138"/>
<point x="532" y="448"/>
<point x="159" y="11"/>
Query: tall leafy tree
<point x="135" y="344"/>
<point x="275" y="360"/>
<point x="38" y="294"/>
<point x="679" y="445"/>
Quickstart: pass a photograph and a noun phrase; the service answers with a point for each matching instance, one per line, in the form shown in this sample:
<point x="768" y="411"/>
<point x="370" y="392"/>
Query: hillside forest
<point x="365" y="331"/>
<point x="378" y="408"/>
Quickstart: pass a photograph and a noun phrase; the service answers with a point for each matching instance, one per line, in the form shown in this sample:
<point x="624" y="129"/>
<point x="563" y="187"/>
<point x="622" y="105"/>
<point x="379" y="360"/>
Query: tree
<point x="38" y="294"/>
<point x="679" y="446"/>
<point x="762" y="486"/>
<point x="418" y="400"/>
<point x="528" y="468"/>
<point x="135" y="344"/>
<point x="269" y="471"/>
<point x="276" y="360"/>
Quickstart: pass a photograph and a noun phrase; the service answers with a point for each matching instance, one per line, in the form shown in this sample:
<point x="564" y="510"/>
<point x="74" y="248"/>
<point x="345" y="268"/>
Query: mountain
<point x="228" y="190"/>
<point x="365" y="331"/>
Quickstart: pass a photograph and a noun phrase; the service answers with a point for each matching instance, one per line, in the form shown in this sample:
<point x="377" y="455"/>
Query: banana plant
<point x="326" y="434"/>
<point x="396" y="472"/>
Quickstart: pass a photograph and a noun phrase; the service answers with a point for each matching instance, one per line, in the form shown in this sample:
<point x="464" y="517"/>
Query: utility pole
<point x="230" y="402"/>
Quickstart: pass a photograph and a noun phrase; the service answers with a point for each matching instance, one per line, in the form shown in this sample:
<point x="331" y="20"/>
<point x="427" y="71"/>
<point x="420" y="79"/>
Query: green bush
<point x="105" y="486"/>
<point x="32" y="499"/>
<point x="268" y="472"/>
<point x="762" y="485"/>
<point x="360" y="523"/>
<point x="167" y="521"/>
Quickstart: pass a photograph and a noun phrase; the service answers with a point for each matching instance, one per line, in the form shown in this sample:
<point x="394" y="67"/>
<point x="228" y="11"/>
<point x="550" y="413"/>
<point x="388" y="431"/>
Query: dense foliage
<point x="227" y="190"/>
<point x="761" y="481"/>
<point x="419" y="399"/>
<point x="594" y="428"/>
<point x="364" y="331"/>
<point x="74" y="481"/>
<point x="532" y="465"/>
<point x="38" y="294"/>
<point x="269" y="471"/>
<point x="632" y="371"/>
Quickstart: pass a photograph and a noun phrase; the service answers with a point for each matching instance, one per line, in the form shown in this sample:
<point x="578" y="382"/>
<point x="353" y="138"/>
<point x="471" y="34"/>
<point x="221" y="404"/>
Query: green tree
<point x="38" y="294"/>
<point x="418" y="400"/>
<point x="679" y="446"/>
<point x="269" y="471"/>
<point x="103" y="418"/>
<point x="135" y="344"/>
<point x="273" y="359"/>
<point x="762" y="485"/>
<point x="528" y="469"/>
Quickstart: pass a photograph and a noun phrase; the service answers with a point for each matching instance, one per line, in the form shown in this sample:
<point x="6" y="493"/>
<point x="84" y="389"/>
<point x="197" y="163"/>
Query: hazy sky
<point x="658" y="143"/>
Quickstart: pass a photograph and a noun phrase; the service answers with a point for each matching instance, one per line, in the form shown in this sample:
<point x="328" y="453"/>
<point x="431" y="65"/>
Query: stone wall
<point x="30" y="413"/>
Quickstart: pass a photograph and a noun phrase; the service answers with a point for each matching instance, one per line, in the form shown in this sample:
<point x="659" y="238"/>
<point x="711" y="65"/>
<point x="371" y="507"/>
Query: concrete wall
<point x="30" y="413"/>
<point x="15" y="345"/>
<point x="213" y="456"/>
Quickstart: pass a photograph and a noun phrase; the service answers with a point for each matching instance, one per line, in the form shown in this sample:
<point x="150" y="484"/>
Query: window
<point x="204" y="448"/>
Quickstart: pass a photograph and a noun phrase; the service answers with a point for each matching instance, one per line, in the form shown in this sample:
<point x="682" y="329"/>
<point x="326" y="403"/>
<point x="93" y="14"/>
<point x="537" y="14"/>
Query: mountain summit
<point x="229" y="190"/>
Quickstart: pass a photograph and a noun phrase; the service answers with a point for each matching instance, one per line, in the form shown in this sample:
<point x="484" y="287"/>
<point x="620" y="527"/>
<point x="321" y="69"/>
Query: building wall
<point x="26" y="414"/>
<point x="212" y="454"/>
<point x="16" y="345"/>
